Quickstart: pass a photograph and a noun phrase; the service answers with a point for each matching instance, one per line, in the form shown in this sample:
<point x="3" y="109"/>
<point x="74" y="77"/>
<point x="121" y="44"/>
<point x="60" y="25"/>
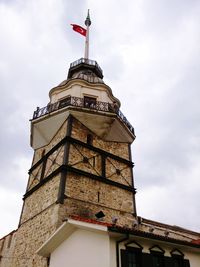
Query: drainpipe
<point x="117" y="247"/>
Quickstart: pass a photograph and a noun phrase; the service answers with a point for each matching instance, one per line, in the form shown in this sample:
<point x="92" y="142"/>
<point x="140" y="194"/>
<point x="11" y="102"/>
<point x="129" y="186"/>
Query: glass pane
<point x="132" y="259"/>
<point x="89" y="102"/>
<point x="157" y="261"/>
<point x="178" y="262"/>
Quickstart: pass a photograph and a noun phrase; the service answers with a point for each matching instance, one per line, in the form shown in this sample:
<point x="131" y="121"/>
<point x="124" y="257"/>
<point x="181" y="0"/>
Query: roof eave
<point x="152" y="236"/>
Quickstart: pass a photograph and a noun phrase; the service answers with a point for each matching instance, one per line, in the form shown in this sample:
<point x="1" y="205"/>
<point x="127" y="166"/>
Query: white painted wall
<point x="113" y="261"/>
<point x="94" y="248"/>
<point x="83" y="248"/>
<point x="100" y="92"/>
<point x="193" y="257"/>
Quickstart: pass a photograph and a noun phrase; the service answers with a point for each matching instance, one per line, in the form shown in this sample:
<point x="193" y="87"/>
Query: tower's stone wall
<point x="80" y="132"/>
<point x="54" y="160"/>
<point x="86" y="197"/>
<point x="31" y="235"/>
<point x="41" y="199"/>
<point x="42" y="213"/>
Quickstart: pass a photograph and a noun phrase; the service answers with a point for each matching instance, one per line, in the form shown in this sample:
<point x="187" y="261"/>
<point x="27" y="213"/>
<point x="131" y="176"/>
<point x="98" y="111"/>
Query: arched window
<point x="157" y="256"/>
<point x="177" y="258"/>
<point x="132" y="255"/>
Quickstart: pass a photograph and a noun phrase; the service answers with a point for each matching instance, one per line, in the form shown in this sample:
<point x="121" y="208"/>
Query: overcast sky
<point x="149" y="52"/>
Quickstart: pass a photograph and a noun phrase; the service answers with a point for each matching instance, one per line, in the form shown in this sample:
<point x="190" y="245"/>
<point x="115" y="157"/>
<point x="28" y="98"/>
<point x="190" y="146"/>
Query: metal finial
<point x="88" y="21"/>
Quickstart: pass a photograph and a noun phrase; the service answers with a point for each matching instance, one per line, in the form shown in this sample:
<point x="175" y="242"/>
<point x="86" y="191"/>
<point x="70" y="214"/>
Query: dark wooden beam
<point x="63" y="177"/>
<point x="132" y="178"/>
<point x="61" y="189"/>
<point x="65" y="168"/>
<point x="100" y="151"/>
<point x="43" y="181"/>
<point x="99" y="178"/>
<point x="62" y="142"/>
<point x="43" y="168"/>
<point x="75" y="141"/>
<point x="103" y="166"/>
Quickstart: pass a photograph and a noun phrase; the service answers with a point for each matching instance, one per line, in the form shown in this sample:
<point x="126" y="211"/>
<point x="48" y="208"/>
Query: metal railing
<point x="82" y="103"/>
<point x="86" y="61"/>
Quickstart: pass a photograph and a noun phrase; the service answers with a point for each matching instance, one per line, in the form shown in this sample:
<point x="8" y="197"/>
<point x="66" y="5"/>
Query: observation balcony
<point x="87" y="65"/>
<point x="84" y="103"/>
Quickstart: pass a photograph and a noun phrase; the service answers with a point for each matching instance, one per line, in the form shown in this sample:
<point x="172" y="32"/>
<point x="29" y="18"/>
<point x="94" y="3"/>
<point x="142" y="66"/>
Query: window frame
<point x="157" y="252"/>
<point x="178" y="256"/>
<point x="128" y="251"/>
<point x="89" y="101"/>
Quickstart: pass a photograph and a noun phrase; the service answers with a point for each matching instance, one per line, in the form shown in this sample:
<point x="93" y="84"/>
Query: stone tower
<point x="82" y="161"/>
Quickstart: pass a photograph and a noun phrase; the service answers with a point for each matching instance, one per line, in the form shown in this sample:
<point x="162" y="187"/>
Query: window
<point x="89" y="102"/>
<point x="131" y="257"/>
<point x="178" y="262"/>
<point x="133" y="260"/>
<point x="177" y="258"/>
<point x="157" y="260"/>
<point x="134" y="257"/>
<point x="157" y="256"/>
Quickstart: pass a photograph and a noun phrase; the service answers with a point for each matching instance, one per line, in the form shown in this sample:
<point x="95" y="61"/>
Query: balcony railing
<point x="82" y="103"/>
<point x="85" y="61"/>
<point x="85" y="64"/>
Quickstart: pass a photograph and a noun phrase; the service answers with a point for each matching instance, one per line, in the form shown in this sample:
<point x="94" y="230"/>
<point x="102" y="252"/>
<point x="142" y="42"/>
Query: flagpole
<point x="87" y="23"/>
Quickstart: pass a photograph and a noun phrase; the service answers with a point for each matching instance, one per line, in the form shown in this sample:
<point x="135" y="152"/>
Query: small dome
<point x="86" y="75"/>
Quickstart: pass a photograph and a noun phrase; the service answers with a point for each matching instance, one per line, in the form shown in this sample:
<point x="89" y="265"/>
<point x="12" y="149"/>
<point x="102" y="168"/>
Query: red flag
<point x="79" y="29"/>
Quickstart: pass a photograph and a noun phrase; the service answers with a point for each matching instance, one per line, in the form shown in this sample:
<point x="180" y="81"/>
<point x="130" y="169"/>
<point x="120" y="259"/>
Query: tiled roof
<point x="154" y="236"/>
<point x="171" y="227"/>
<point x="82" y="219"/>
<point x="197" y="241"/>
<point x="136" y="232"/>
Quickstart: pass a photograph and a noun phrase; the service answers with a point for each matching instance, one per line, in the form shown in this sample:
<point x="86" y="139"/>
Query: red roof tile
<point x="124" y="229"/>
<point x="82" y="219"/>
<point x="197" y="241"/>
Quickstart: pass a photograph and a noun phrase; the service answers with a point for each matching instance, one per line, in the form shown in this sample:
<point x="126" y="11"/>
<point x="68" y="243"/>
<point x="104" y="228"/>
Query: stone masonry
<point x="42" y="213"/>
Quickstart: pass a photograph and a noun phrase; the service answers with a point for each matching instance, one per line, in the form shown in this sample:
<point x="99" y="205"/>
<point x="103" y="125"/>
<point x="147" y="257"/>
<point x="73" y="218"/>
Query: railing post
<point x="36" y="113"/>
